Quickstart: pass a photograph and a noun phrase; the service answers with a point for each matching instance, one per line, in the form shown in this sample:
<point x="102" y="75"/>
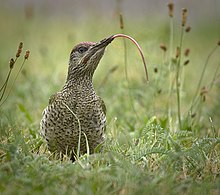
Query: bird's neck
<point x="80" y="84"/>
<point x="78" y="75"/>
<point x="83" y="86"/>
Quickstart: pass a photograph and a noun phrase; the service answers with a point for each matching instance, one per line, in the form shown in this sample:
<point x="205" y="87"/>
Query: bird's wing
<point x="102" y="105"/>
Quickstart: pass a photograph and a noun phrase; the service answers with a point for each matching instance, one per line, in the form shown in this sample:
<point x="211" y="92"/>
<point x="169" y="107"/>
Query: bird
<point x="75" y="119"/>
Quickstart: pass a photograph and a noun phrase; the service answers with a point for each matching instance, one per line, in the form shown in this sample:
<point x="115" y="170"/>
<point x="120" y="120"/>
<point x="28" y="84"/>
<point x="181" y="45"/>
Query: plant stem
<point x="80" y="130"/>
<point x="201" y="78"/>
<point x="5" y="85"/>
<point x="214" y="77"/>
<point x="13" y="82"/>
<point x="170" y="73"/>
<point x="126" y="70"/>
<point x="178" y="78"/>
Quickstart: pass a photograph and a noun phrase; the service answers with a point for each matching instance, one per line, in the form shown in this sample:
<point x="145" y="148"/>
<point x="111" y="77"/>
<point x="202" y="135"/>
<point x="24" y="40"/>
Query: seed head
<point x="159" y="91"/>
<point x="27" y="53"/>
<point x="19" y="49"/>
<point x="184" y="16"/>
<point x="18" y="53"/>
<point x="188" y="29"/>
<point x="203" y="91"/>
<point x="155" y="69"/>
<point x="219" y="42"/>
<point x="20" y="45"/>
<point x="170" y="7"/>
<point x="186" y="53"/>
<point x="163" y="47"/>
<point x="11" y="63"/>
<point x="186" y="62"/>
<point x="177" y="52"/>
<point x="193" y="115"/>
<point x="121" y="21"/>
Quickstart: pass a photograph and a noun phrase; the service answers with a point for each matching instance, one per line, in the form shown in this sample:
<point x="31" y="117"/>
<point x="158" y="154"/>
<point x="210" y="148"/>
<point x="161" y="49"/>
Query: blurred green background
<point x="49" y="29"/>
<point x="144" y="151"/>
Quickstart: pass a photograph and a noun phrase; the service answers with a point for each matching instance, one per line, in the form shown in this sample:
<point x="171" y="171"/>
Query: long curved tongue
<point x="139" y="48"/>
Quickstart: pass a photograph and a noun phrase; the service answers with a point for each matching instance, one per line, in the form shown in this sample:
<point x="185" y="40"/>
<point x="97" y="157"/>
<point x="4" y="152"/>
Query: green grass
<point x="145" y="151"/>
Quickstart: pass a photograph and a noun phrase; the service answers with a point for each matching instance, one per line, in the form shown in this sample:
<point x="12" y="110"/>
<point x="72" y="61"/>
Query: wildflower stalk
<point x="4" y="86"/>
<point x="178" y="84"/>
<point x="125" y="46"/>
<point x="126" y="65"/>
<point x="11" y="67"/>
<point x="80" y="130"/>
<point x="178" y="79"/>
<point x="170" y="6"/>
<point x="214" y="77"/>
<point x="201" y="78"/>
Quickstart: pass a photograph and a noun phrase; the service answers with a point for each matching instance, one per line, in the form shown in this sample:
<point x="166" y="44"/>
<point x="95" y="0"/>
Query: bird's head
<point x="85" y="57"/>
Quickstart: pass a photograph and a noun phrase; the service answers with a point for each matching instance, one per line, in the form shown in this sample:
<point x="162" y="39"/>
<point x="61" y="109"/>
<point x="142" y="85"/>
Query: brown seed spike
<point x="27" y="55"/>
<point x="19" y="49"/>
<point x="170" y="7"/>
<point x="18" y="53"/>
<point x="186" y="53"/>
<point x="188" y="29"/>
<point x="20" y="45"/>
<point x="203" y="91"/>
<point x="193" y="115"/>
<point x="184" y="16"/>
<point x="186" y="62"/>
<point x="121" y="21"/>
<point x="177" y="52"/>
<point x="11" y="63"/>
<point x="163" y="47"/>
<point x="139" y="48"/>
<point x="219" y="42"/>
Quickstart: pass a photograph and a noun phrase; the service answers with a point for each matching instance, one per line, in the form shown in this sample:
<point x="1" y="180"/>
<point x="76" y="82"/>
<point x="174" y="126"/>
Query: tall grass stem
<point x="178" y="79"/>
<point x="170" y="73"/>
<point x="80" y="130"/>
<point x="201" y="78"/>
<point x="126" y="66"/>
<point x="22" y="65"/>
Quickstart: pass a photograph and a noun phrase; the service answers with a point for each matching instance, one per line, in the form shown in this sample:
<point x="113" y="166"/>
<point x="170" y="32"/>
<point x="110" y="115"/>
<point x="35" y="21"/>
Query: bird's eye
<point x="82" y="49"/>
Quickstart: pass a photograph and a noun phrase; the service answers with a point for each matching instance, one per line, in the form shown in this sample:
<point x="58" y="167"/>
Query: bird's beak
<point x="98" y="47"/>
<point x="103" y="43"/>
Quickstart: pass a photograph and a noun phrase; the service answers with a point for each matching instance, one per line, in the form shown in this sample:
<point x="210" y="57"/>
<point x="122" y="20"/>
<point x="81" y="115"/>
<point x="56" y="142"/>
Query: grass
<point x="146" y="150"/>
